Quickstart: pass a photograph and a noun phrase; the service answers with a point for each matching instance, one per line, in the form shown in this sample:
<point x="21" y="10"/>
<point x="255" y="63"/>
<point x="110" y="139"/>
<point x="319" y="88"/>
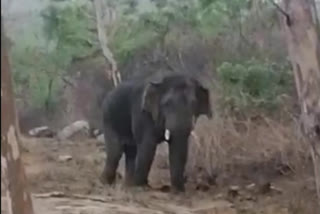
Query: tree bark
<point x="304" y="53"/>
<point x="315" y="14"/>
<point x="101" y="25"/>
<point x="13" y="178"/>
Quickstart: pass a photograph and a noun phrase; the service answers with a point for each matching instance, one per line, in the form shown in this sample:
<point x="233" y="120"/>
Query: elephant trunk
<point x="178" y="154"/>
<point x="178" y="127"/>
<point x="180" y="122"/>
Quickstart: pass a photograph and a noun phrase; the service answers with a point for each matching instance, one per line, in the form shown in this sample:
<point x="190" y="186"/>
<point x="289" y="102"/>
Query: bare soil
<point x="71" y="186"/>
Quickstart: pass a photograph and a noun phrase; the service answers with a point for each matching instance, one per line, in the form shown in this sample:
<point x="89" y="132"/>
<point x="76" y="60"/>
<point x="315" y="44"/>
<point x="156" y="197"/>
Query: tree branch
<point x="114" y="73"/>
<point x="283" y="12"/>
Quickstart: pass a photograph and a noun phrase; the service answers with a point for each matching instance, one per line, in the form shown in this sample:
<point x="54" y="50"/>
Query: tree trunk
<point x="304" y="53"/>
<point x="8" y="43"/>
<point x="13" y="178"/>
<point x="315" y="14"/>
<point x="101" y="24"/>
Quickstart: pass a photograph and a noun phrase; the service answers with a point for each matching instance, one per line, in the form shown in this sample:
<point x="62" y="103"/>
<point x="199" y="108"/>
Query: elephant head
<point x="174" y="104"/>
<point x="177" y="100"/>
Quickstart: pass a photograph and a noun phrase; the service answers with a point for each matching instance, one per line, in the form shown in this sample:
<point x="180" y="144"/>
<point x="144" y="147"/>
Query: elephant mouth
<point x="193" y="122"/>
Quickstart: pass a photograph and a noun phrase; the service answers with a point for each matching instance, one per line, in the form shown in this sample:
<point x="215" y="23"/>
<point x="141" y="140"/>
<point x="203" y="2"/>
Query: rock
<point x="233" y="191"/>
<point x="94" y="133"/>
<point x="251" y="187"/>
<point x="69" y="131"/>
<point x="100" y="138"/>
<point x="97" y="132"/>
<point x="250" y="198"/>
<point x="64" y="158"/>
<point x="219" y="196"/>
<point x="276" y="189"/>
<point x="42" y="131"/>
<point x="265" y="188"/>
<point x="203" y="187"/>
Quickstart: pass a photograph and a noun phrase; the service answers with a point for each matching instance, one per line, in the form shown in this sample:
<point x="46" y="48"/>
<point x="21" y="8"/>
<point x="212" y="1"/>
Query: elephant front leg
<point x="178" y="153"/>
<point x="145" y="156"/>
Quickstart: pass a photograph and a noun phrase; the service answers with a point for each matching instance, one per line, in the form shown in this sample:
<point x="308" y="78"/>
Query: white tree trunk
<point x="102" y="20"/>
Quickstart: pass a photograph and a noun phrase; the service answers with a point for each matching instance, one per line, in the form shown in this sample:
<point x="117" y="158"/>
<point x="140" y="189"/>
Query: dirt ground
<point x="64" y="179"/>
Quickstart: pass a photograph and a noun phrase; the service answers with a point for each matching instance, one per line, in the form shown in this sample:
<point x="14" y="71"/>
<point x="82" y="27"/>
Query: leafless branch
<point x="68" y="82"/>
<point x="282" y="11"/>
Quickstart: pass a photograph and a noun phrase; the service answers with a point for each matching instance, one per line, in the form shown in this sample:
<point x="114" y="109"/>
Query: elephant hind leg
<point x="130" y="158"/>
<point x="114" y="150"/>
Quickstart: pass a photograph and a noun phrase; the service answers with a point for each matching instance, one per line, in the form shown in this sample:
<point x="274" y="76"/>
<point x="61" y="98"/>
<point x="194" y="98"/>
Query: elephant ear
<point x="151" y="98"/>
<point x="203" y="101"/>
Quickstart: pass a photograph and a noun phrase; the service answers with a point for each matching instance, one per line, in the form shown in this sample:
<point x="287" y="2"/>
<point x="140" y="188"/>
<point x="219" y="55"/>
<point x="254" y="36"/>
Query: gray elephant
<point x="138" y="115"/>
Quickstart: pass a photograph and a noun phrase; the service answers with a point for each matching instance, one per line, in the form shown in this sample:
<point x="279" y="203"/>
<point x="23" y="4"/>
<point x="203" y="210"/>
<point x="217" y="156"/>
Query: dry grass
<point x="299" y="205"/>
<point x="227" y="144"/>
<point x="239" y="152"/>
<point x="230" y="151"/>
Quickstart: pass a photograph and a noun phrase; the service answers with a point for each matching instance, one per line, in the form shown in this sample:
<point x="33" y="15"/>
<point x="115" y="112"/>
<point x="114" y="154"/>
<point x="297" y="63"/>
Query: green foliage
<point x="36" y="77"/>
<point x="68" y="28"/>
<point x="130" y="37"/>
<point x="38" y="71"/>
<point x="151" y="27"/>
<point x="136" y="31"/>
<point x="133" y="35"/>
<point x="253" y="84"/>
<point x="170" y="25"/>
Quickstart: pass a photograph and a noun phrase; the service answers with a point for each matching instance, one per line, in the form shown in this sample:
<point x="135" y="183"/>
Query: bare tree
<point x="304" y="53"/>
<point x="13" y="178"/>
<point x="104" y="15"/>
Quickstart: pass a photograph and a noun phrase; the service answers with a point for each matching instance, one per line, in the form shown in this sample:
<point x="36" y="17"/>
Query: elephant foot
<point x="128" y="182"/>
<point x="170" y="189"/>
<point x="177" y="189"/>
<point x="109" y="178"/>
<point x="174" y="191"/>
<point x="137" y="181"/>
<point x="137" y="189"/>
<point x="103" y="178"/>
<point x="143" y="185"/>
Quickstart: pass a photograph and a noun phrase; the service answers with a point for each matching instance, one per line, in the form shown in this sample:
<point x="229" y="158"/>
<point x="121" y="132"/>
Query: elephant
<point x="138" y="115"/>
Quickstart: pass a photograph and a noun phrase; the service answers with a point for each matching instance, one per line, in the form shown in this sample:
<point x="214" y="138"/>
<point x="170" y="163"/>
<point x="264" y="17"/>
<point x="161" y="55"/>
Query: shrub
<point x="253" y="84"/>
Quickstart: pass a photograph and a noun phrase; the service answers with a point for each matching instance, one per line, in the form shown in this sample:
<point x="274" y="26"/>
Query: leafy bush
<point x="253" y="84"/>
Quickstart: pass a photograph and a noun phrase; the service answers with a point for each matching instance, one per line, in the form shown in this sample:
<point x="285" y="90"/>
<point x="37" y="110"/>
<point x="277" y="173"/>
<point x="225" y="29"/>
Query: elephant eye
<point x="166" y="102"/>
<point x="189" y="93"/>
<point x="191" y="97"/>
